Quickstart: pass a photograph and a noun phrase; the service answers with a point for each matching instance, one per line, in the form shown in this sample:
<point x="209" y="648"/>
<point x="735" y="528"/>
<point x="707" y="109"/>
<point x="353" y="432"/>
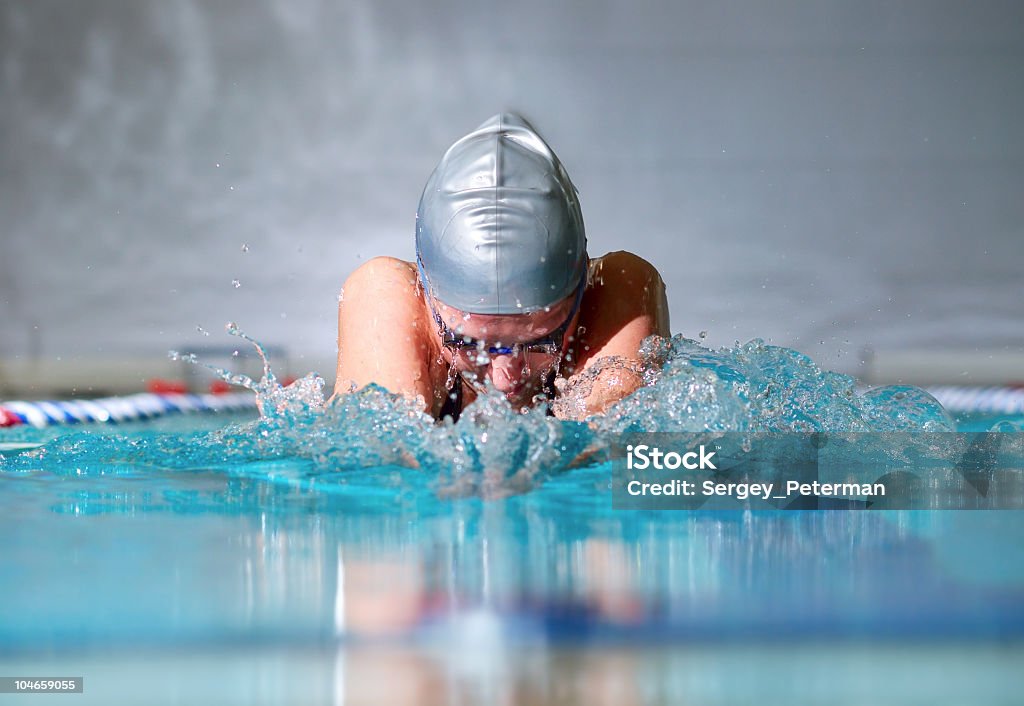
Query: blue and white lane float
<point x="995" y="400"/>
<point x="120" y="409"/>
<point x="991" y="400"/>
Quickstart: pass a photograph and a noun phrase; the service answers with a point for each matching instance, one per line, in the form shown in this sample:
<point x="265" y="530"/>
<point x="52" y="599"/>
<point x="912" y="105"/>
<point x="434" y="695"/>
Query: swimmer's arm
<point x="627" y="304"/>
<point x="380" y="331"/>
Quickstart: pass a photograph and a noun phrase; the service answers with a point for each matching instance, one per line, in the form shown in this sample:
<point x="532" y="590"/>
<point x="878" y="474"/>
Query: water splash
<point x="494" y="450"/>
<point x="763" y="388"/>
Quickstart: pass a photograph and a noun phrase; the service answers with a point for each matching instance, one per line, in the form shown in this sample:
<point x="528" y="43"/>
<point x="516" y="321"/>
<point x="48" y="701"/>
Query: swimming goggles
<point x="549" y="344"/>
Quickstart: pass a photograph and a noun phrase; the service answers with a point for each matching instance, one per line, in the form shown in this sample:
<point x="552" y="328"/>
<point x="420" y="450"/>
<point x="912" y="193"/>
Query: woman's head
<point x="501" y="252"/>
<point x="499" y="229"/>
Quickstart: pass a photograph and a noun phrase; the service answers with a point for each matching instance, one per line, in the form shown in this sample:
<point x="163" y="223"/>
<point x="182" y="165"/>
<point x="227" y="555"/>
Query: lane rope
<point x="128" y="408"/>
<point x="994" y="399"/>
<point x="955" y="398"/>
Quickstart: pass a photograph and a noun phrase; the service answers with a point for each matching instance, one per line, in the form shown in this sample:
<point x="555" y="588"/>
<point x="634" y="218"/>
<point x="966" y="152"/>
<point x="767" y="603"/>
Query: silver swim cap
<point x="499" y="228"/>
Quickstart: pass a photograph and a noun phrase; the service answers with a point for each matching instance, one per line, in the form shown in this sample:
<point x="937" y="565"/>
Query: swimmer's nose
<point x="506" y="371"/>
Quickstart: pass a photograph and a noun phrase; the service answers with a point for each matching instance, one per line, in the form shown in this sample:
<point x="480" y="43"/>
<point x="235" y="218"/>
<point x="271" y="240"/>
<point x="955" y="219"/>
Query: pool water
<point x="353" y="553"/>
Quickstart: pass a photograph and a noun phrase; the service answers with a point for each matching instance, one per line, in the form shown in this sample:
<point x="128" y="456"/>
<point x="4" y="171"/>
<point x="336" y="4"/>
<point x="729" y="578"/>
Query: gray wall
<point x="827" y="175"/>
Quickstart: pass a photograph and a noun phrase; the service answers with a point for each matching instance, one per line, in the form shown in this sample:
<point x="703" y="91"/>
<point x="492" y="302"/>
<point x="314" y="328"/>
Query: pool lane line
<point x="955" y="398"/>
<point x="992" y="399"/>
<point x="120" y="409"/>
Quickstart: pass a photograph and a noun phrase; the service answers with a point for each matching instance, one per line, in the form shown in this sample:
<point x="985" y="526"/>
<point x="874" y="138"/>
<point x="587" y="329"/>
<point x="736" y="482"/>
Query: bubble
<point x="703" y="334"/>
<point x="203" y="331"/>
<point x="235" y="283"/>
<point x="1007" y="426"/>
<point x="245" y="247"/>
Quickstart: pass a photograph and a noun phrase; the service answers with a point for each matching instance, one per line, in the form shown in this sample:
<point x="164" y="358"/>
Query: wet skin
<point x="520" y="375"/>
<point x="388" y="336"/>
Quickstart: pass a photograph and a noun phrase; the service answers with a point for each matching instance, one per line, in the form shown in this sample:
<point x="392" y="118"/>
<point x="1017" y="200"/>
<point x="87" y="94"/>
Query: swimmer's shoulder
<point x="383" y="272"/>
<point x="384" y="282"/>
<point x="622" y="267"/>
<point x="383" y="330"/>
<point x="384" y="292"/>
<point x="625" y="302"/>
<point x="622" y="284"/>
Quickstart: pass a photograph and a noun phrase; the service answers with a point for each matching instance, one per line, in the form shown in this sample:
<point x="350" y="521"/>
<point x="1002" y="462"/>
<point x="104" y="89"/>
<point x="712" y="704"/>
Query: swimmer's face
<point x="514" y="351"/>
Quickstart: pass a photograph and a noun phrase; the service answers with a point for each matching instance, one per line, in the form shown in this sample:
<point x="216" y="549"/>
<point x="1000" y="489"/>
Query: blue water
<point x="321" y="528"/>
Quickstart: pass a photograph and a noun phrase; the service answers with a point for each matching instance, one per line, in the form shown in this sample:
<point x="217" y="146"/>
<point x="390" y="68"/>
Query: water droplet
<point x="703" y="334"/>
<point x="235" y="283"/>
<point x="203" y="331"/>
<point x="231" y="327"/>
<point x="245" y="247"/>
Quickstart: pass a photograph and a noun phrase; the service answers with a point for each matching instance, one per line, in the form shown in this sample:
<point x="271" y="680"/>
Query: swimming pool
<point x="212" y="560"/>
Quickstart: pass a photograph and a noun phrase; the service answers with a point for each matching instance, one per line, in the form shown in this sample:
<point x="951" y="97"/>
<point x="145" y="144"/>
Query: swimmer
<point x="502" y="291"/>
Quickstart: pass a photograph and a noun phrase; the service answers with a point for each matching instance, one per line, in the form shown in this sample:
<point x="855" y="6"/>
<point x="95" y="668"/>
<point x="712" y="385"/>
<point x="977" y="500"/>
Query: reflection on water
<point x="246" y="587"/>
<point x="184" y="557"/>
<point x="776" y="674"/>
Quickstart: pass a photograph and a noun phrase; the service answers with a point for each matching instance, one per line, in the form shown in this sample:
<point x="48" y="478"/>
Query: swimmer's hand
<point x="592" y="391"/>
